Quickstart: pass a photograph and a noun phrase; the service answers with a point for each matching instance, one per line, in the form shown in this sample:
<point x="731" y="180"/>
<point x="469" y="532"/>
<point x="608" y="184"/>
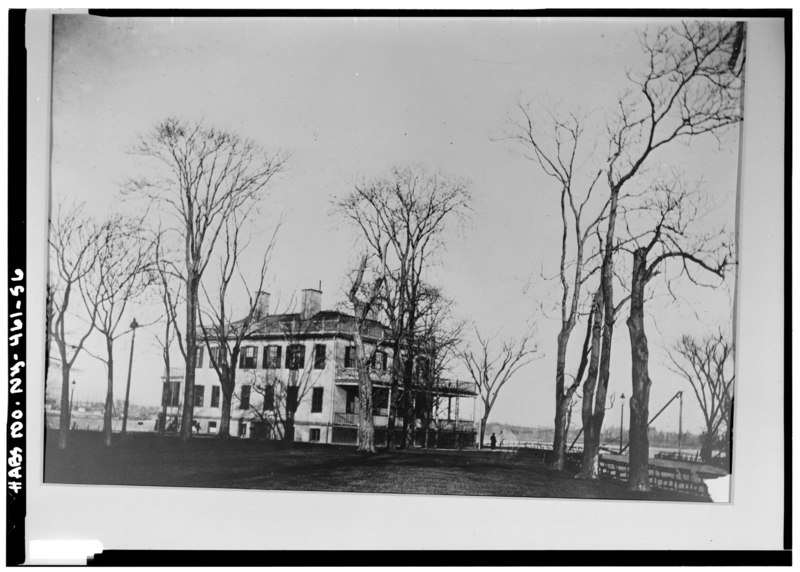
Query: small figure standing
<point x="493" y="441"/>
<point x="501" y="439"/>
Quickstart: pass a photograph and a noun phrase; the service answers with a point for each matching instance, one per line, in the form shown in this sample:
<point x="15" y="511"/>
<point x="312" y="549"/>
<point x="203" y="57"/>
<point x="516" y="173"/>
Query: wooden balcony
<point x="443" y="387"/>
<point x="349" y="376"/>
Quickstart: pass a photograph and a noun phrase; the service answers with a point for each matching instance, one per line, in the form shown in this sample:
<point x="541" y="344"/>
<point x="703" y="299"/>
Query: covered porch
<point x="434" y="426"/>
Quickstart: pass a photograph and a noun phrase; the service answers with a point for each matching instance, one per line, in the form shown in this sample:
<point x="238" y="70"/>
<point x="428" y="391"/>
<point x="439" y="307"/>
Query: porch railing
<point x="345" y="419"/>
<point x="352" y="419"/>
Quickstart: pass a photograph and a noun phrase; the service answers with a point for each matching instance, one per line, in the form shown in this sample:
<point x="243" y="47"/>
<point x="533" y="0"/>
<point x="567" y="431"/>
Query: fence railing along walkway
<point x="678" y="479"/>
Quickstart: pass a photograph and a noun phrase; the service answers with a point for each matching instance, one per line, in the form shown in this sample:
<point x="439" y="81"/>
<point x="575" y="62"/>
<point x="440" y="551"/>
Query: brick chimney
<point x="262" y="304"/>
<point x="311" y="303"/>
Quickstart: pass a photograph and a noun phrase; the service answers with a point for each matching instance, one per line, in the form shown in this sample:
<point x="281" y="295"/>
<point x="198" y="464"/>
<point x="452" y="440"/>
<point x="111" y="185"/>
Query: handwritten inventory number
<point x="15" y="387"/>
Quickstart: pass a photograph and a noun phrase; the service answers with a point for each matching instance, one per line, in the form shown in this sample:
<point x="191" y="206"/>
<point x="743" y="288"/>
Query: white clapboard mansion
<point x="307" y="358"/>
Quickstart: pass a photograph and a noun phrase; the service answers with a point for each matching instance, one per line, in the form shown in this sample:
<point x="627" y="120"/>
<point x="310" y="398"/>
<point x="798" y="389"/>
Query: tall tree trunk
<point x="592" y="456"/>
<point x="408" y="413"/>
<point x="366" y="427"/>
<point x="192" y="284"/>
<point x="707" y="445"/>
<point x="592" y="425"/>
<point x="391" y="436"/>
<point x="560" y="434"/>
<point x="484" y="419"/>
<point x="638" y="478"/>
<point x="288" y="427"/>
<point x="562" y="403"/>
<point x="107" y="420"/>
<point x="65" y="417"/>
<point x="225" y="413"/>
<point x="162" y="427"/>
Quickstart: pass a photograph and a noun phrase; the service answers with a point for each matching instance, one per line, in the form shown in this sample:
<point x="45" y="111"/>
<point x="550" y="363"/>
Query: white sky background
<point x="349" y="99"/>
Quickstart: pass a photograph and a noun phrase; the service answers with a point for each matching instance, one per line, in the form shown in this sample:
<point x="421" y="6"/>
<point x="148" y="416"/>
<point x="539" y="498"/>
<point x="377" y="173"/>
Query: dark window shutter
<point x="199" y="362"/>
<point x="348" y="356"/>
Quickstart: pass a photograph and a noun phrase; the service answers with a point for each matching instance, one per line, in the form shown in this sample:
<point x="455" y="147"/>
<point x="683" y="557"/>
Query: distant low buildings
<point x="305" y="362"/>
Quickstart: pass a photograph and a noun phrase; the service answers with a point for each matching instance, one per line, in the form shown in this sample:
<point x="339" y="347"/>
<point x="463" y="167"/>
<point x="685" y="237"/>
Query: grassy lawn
<point x="145" y="459"/>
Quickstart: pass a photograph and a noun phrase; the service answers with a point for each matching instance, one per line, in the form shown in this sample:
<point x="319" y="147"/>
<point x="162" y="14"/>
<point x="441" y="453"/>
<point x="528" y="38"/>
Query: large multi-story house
<point x="296" y="374"/>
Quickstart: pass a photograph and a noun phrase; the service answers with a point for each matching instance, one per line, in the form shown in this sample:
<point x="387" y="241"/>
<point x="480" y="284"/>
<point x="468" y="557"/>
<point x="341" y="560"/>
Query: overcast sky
<point x="349" y="99"/>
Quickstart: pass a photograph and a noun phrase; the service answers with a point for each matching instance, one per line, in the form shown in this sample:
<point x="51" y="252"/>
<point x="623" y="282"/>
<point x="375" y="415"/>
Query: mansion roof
<point x="324" y="323"/>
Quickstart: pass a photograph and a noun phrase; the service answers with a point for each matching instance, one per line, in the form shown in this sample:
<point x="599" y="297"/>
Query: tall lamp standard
<point x="71" y="395"/>
<point x="134" y="325"/>
<point x="621" y="415"/>
<point x="680" y="423"/>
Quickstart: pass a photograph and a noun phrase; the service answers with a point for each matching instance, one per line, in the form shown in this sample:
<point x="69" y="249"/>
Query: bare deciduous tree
<point x="559" y="153"/>
<point x="169" y="286"/>
<point x="208" y="176"/>
<point x="223" y="336"/>
<point x="675" y="212"/>
<point x="408" y="210"/>
<point x="72" y="256"/>
<point x="688" y="89"/>
<point x="490" y="369"/>
<point x="281" y="398"/>
<point x="440" y="337"/>
<point x="120" y="276"/>
<point x="363" y="298"/>
<point x="707" y="364"/>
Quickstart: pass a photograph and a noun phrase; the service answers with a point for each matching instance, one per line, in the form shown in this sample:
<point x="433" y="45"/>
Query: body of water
<point x="95" y="423"/>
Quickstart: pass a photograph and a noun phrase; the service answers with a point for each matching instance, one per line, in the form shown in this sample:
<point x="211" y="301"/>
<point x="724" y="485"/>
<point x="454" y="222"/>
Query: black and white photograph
<point x="440" y="256"/>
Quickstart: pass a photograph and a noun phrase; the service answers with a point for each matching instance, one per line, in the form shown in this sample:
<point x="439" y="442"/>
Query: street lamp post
<point x="71" y="396"/>
<point x="621" y="415"/>
<point x="680" y="424"/>
<point x="134" y="325"/>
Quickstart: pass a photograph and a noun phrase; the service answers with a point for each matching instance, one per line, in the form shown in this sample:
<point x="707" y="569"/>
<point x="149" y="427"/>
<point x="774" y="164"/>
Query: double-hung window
<point x="272" y="357"/>
<point x="316" y="399"/>
<point x="249" y="357"/>
<point x="199" y="394"/>
<point x="350" y="356"/>
<point x="295" y="356"/>
<point x="244" y="397"/>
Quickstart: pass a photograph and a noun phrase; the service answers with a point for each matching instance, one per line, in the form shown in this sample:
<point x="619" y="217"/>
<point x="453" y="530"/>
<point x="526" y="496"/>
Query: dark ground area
<point x="146" y="459"/>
